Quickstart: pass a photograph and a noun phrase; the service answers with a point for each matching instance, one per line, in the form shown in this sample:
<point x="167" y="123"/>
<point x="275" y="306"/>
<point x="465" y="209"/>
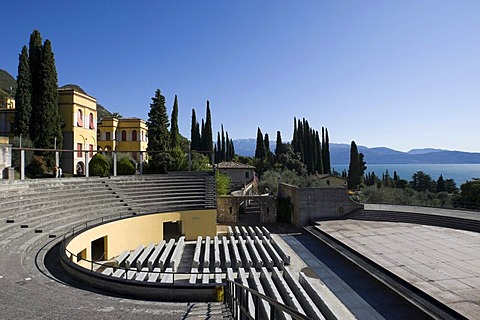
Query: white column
<point x="22" y="164"/>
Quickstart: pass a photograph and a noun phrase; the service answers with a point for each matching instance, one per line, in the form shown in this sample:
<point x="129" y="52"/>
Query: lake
<point x="460" y="173"/>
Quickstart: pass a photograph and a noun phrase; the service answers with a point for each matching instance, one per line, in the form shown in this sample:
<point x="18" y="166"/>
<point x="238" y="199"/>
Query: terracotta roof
<point x="233" y="165"/>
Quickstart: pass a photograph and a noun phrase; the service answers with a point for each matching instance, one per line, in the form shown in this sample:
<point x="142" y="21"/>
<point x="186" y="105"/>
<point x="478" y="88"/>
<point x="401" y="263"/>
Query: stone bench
<point x="218" y="275"/>
<point x="266" y="233"/>
<point x="196" y="254"/>
<point x="153" y="276"/>
<point x="226" y="253"/>
<point x="119" y="273"/>
<point x="237" y="258"/>
<point x="153" y="259"/>
<point x="279" y="263"/>
<point x="236" y="232"/>
<point x="133" y="257"/>
<point x="162" y="262"/>
<point x="287" y="294"/>
<point x="108" y="271"/>
<point x="229" y="231"/>
<point x="267" y="260"/>
<point x="206" y="276"/>
<point x="120" y="259"/>
<point x="251" y="232"/>
<point x="142" y="275"/>
<point x="256" y="259"/>
<point x="193" y="276"/>
<point x="206" y="254"/>
<point x="272" y="292"/>
<point x="258" y="232"/>
<point x="177" y="254"/>
<point x="143" y="257"/>
<point x="167" y="277"/>
<point x="242" y="279"/>
<point x="283" y="254"/>
<point x="216" y="252"/>
<point x="303" y="298"/>
<point x="246" y="259"/>
<point x="244" y="232"/>
<point x="264" y="306"/>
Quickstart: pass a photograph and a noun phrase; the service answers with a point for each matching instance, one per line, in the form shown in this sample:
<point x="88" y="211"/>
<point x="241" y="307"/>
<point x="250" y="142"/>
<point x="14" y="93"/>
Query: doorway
<point x="99" y="249"/>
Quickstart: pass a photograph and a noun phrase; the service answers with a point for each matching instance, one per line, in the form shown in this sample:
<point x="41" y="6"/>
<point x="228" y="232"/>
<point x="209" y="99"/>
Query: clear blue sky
<point x="400" y="74"/>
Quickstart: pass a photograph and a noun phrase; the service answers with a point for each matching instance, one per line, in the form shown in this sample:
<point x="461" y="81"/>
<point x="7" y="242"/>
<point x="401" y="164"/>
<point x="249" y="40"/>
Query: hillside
<point x="340" y="154"/>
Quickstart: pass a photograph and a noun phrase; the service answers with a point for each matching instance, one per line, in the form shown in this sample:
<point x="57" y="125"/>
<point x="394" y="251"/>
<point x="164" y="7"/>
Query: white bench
<point x="206" y="254"/>
<point x="108" y="271"/>
<point x="177" y="254"/>
<point x="236" y="253"/>
<point x="196" y="255"/>
<point x="226" y="253"/>
<point x="153" y="276"/>
<point x="153" y="259"/>
<point x="142" y="275"/>
<point x="162" y="262"/>
<point x="119" y="260"/>
<point x="167" y="277"/>
<point x="133" y="256"/>
<point x="143" y="257"/>
<point x="216" y="252"/>
<point x="267" y="260"/>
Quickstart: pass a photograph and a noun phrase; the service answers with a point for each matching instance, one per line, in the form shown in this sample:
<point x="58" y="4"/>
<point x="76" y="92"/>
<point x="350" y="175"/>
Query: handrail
<point x="237" y="296"/>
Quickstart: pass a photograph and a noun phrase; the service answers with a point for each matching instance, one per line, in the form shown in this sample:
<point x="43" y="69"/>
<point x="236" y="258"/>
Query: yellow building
<point x="79" y="111"/>
<point x="7" y="118"/>
<point x="127" y="135"/>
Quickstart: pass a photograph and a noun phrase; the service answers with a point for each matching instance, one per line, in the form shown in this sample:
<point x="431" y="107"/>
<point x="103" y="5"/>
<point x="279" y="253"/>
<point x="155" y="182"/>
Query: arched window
<point x="79" y="118"/>
<point x="134" y="135"/>
<point x="124" y="135"/>
<point x="91" y="124"/>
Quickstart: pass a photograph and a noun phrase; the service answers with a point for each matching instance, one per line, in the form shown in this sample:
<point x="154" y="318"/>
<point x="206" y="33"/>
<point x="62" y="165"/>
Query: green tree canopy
<point x="157" y="124"/>
<point x="23" y="96"/>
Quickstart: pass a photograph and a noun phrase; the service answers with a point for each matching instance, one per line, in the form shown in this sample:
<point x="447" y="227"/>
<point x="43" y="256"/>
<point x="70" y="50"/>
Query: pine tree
<point x="23" y="96"/>
<point x="34" y="61"/>
<point x="157" y="124"/>
<point x="353" y="169"/>
<point x="278" y="144"/>
<point x="208" y="135"/>
<point x="174" y="133"/>
<point x="260" y="150"/>
<point x="45" y="117"/>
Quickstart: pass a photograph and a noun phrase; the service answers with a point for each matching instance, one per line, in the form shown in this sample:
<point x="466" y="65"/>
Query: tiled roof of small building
<point x="233" y="165"/>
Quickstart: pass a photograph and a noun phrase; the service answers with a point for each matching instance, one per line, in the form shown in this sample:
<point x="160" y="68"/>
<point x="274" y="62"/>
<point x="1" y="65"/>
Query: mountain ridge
<point x="340" y="154"/>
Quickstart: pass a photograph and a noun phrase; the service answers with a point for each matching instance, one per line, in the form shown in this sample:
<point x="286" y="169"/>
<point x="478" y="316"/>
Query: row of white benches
<point x="314" y="301"/>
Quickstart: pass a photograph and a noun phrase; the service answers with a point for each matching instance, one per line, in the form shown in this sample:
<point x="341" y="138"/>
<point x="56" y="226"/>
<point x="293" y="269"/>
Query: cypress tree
<point x="232" y="150"/>
<point x="362" y="166"/>
<point x="34" y="61"/>
<point x="295" y="136"/>
<point x="260" y="151"/>
<point x="218" y="151"/>
<point x="325" y="151"/>
<point x="202" y="137"/>
<point x="158" y="134"/>
<point x="318" y="155"/>
<point x="353" y="169"/>
<point x="228" y="156"/>
<point x="193" y="132"/>
<point x="208" y="135"/>
<point x="46" y="117"/>
<point x="23" y="96"/>
<point x="174" y="133"/>
<point x="267" y="144"/>
<point x="223" y="150"/>
<point x="278" y="144"/>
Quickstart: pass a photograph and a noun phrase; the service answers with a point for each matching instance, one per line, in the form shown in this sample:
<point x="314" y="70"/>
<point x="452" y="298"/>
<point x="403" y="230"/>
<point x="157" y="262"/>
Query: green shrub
<point x="125" y="167"/>
<point x="26" y="143"/>
<point x="99" y="166"/>
<point x="223" y="184"/>
<point x="37" y="166"/>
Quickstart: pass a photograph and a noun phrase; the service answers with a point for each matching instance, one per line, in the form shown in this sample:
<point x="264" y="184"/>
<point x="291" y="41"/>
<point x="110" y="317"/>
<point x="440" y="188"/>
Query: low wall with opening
<point x="310" y="204"/>
<point x="127" y="234"/>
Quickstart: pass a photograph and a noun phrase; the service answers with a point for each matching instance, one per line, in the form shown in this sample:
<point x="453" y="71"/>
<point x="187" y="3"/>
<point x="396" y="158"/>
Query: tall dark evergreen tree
<point x="157" y="124"/>
<point x="232" y="149"/>
<point x="45" y="117"/>
<point x="23" y="96"/>
<point x="218" y="151"/>
<point x="326" y="151"/>
<point x="194" y="133"/>
<point x="223" y="152"/>
<point x="362" y="167"/>
<point x="278" y="144"/>
<point x="174" y="133"/>
<point x="202" y="135"/>
<point x="227" y="148"/>
<point x="35" y="59"/>
<point x="318" y="154"/>
<point x="353" y="169"/>
<point x="267" y="144"/>
<point x="260" y="151"/>
<point x="208" y="134"/>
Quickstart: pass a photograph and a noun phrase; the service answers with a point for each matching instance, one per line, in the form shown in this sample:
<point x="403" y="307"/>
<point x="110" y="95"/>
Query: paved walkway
<point x="443" y="262"/>
<point x="363" y="296"/>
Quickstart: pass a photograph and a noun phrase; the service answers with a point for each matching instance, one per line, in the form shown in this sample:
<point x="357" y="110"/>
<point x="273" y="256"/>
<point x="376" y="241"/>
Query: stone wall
<point x="310" y="204"/>
<point x="228" y="208"/>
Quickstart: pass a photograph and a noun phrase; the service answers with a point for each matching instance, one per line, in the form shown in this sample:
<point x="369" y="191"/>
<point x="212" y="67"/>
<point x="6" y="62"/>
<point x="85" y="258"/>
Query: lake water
<point x="460" y="173"/>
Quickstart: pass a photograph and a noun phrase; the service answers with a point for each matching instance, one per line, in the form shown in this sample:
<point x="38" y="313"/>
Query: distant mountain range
<point x="340" y="154"/>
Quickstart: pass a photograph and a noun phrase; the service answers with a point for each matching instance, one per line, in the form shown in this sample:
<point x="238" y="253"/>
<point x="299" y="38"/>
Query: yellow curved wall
<point x="127" y="234"/>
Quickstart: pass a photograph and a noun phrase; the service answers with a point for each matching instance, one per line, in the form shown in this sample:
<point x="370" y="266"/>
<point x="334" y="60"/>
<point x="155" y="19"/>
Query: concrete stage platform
<point x="443" y="262"/>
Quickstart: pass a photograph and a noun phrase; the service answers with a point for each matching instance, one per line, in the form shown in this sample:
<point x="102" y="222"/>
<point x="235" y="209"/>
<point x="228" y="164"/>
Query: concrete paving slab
<point x="443" y="262"/>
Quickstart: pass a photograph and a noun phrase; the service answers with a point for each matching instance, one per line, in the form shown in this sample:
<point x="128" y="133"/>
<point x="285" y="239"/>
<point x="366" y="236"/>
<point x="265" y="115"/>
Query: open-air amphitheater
<point x="141" y="247"/>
